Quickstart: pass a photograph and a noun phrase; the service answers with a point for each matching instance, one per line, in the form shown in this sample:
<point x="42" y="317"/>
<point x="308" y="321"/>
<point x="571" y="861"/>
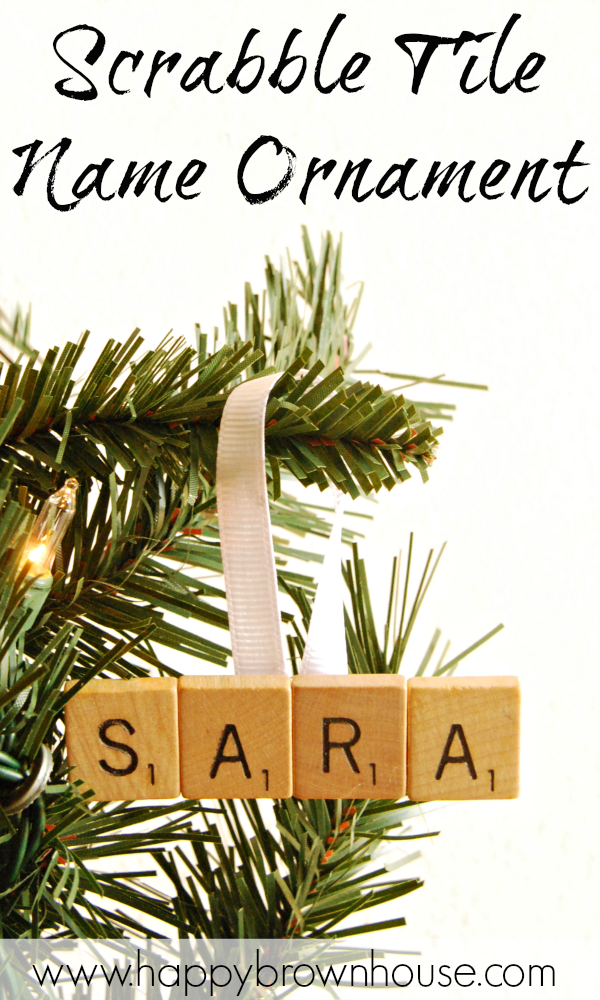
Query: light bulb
<point x="50" y="526"/>
<point x="37" y="554"/>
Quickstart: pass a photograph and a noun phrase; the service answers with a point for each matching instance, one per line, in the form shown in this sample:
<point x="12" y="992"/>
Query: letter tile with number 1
<point x="122" y="738"/>
<point x="235" y="737"/>
<point x="463" y="738"/>
<point x="349" y="736"/>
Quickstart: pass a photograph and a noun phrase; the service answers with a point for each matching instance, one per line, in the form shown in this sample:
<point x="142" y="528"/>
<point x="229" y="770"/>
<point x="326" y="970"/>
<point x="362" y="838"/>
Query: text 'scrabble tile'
<point x="463" y="738"/>
<point x="235" y="736"/>
<point x="349" y="737"/>
<point x="122" y="738"/>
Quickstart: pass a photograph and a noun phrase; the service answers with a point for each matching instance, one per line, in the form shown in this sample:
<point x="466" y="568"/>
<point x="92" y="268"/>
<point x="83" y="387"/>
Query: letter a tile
<point x="235" y="737"/>
<point x="349" y="737"/>
<point x="463" y="738"/>
<point x="122" y="738"/>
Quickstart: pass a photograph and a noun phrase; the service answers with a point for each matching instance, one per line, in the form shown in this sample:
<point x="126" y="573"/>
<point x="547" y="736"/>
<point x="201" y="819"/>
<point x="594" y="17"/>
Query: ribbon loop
<point x="247" y="550"/>
<point x="245" y="531"/>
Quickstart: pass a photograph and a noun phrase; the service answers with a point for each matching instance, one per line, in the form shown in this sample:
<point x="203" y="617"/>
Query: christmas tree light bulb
<point x="51" y="525"/>
<point x="37" y="554"/>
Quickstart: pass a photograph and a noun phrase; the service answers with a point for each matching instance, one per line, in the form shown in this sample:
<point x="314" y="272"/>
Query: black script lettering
<point x="361" y="169"/>
<point x="207" y="62"/>
<point x="62" y="148"/>
<point x="122" y="56"/>
<point x="286" y="60"/>
<point x="145" y="175"/>
<point x="565" y="166"/>
<point x="447" y="175"/>
<point x="188" y="177"/>
<point x="92" y="57"/>
<point x="350" y="70"/>
<point x="313" y="169"/>
<point x="157" y="64"/>
<point x="95" y="172"/>
<point x="259" y="198"/>
<point x="233" y="80"/>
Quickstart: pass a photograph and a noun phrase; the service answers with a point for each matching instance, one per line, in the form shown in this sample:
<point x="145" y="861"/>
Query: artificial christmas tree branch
<point x="139" y="432"/>
<point x="353" y="435"/>
<point x="146" y="431"/>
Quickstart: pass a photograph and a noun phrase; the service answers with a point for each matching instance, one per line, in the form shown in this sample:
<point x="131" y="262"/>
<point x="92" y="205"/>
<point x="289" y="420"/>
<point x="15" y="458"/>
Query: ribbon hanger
<point x="248" y="555"/>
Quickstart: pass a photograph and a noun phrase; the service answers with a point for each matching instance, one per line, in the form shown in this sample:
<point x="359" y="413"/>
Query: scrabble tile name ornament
<point x="261" y="734"/>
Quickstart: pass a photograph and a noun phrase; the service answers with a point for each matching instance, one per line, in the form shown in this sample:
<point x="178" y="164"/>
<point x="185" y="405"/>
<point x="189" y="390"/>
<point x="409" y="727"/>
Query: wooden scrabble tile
<point x="463" y="738"/>
<point x="349" y="737"/>
<point x="122" y="738"/>
<point x="235" y="737"/>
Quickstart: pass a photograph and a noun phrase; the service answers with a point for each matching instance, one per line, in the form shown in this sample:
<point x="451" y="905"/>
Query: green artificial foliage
<point x="139" y="430"/>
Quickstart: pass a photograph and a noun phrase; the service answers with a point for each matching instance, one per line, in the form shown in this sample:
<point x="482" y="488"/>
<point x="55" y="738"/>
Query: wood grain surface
<point x="463" y="738"/>
<point x="141" y="716"/>
<point x="246" y="719"/>
<point x="368" y="715"/>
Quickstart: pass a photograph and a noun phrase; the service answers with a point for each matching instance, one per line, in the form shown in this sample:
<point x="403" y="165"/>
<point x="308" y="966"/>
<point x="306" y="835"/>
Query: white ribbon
<point x="325" y="650"/>
<point x="245" y="531"/>
<point x="247" y="550"/>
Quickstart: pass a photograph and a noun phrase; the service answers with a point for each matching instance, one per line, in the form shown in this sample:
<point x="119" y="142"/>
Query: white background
<point x="502" y="292"/>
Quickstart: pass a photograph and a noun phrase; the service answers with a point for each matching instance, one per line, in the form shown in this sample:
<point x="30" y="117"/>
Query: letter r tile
<point x="235" y="737"/>
<point x="463" y="738"/>
<point x="349" y="736"/>
<point x="122" y="738"/>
